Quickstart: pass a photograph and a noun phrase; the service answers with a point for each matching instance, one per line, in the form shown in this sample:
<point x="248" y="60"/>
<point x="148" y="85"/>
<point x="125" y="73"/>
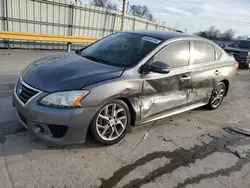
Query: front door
<point x="164" y="92"/>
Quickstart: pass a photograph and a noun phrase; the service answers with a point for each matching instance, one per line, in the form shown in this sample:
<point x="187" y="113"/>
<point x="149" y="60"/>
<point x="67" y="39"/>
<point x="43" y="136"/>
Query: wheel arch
<point x="226" y="82"/>
<point x="131" y="109"/>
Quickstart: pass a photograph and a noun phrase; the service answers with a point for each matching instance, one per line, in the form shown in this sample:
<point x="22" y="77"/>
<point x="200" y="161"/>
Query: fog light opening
<point x="38" y="129"/>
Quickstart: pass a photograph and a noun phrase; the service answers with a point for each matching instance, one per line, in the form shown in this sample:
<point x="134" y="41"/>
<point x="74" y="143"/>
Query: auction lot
<point x="192" y="149"/>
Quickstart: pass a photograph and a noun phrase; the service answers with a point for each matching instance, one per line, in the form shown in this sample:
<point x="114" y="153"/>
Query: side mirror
<point x="159" y="67"/>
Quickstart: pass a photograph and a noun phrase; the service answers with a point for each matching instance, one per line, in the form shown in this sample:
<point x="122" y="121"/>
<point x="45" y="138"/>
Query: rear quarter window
<point x="203" y="52"/>
<point x="218" y="53"/>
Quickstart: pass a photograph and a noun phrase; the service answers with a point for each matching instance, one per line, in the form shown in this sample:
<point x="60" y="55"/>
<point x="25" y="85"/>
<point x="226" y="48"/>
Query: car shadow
<point x="24" y="142"/>
<point x="203" y="108"/>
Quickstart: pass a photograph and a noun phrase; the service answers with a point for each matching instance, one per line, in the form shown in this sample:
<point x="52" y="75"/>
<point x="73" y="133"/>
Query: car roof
<point x="164" y="35"/>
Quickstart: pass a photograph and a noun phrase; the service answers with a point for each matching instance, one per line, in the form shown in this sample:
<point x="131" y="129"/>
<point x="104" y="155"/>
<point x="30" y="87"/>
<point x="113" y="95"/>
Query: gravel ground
<point x="192" y="149"/>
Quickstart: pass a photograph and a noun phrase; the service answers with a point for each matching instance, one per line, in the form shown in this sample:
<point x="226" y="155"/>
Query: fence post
<point x="123" y="14"/>
<point x="7" y="21"/>
<point x="146" y="25"/>
<point x="71" y="26"/>
<point x="105" y="23"/>
<point x="113" y="23"/>
<point x="156" y="26"/>
<point x="134" y="25"/>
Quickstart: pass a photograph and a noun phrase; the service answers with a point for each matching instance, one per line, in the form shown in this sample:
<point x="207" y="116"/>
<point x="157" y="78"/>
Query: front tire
<point x="217" y="96"/>
<point x="111" y="122"/>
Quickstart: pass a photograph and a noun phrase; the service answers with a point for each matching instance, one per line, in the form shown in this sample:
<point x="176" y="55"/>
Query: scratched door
<point x="163" y="92"/>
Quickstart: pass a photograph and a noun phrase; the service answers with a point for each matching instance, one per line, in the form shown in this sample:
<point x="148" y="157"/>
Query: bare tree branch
<point x="104" y="3"/>
<point x="141" y="11"/>
<point x="214" y="34"/>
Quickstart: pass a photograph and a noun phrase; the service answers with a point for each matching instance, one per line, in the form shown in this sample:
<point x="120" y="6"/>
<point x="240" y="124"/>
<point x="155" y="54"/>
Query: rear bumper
<point x="39" y="120"/>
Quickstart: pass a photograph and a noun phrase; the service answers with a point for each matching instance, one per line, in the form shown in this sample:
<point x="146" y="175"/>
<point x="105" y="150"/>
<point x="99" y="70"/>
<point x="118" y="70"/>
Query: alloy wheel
<point x="218" y="95"/>
<point x="111" y="122"/>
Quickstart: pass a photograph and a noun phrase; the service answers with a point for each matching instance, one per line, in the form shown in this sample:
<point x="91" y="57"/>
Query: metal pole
<point x="123" y="14"/>
<point x="134" y="24"/>
<point x="127" y="7"/>
<point x="7" y="21"/>
<point x="114" y="18"/>
<point x="71" y="27"/>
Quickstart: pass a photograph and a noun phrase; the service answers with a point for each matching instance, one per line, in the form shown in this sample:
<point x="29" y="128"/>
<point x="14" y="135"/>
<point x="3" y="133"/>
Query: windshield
<point x="121" y="49"/>
<point x="242" y="44"/>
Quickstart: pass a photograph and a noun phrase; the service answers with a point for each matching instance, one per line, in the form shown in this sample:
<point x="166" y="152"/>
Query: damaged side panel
<point x="156" y="93"/>
<point x="125" y="89"/>
<point x="164" y="93"/>
<point x="205" y="77"/>
<point x="203" y="83"/>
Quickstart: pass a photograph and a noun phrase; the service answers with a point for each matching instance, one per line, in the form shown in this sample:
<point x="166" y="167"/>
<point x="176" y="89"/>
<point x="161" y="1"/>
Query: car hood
<point x="235" y="49"/>
<point x="67" y="71"/>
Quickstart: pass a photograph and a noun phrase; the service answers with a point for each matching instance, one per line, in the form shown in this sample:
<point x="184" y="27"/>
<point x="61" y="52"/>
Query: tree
<point x="245" y="37"/>
<point x="141" y="11"/>
<point x="202" y="34"/>
<point x="214" y="34"/>
<point x="104" y="3"/>
<point x="227" y="35"/>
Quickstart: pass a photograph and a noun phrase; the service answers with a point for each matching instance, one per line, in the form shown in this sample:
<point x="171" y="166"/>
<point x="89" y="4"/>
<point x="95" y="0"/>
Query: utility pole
<point x="127" y="8"/>
<point x="123" y="14"/>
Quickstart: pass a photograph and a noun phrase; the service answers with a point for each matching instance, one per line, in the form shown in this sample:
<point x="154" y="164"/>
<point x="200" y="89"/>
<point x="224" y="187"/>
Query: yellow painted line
<point x="43" y="37"/>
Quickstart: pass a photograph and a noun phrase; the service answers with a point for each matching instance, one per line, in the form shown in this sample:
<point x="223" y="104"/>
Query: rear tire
<point x="217" y="96"/>
<point x="111" y="123"/>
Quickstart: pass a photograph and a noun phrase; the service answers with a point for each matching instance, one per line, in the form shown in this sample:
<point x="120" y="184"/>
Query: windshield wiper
<point x="97" y="59"/>
<point x="94" y="59"/>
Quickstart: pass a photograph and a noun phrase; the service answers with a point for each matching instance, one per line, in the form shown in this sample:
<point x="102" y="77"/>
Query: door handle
<point x="217" y="72"/>
<point x="182" y="79"/>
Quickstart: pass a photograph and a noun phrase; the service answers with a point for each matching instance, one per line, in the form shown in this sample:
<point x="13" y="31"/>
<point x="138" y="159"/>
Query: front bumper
<point x="39" y="119"/>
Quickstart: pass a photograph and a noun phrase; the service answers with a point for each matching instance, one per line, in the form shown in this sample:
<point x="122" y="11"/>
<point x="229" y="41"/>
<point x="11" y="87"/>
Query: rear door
<point x="163" y="92"/>
<point x="205" y="68"/>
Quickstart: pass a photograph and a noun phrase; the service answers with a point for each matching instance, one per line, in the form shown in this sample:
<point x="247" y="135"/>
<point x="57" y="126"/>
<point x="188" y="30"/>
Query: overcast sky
<point x="197" y="15"/>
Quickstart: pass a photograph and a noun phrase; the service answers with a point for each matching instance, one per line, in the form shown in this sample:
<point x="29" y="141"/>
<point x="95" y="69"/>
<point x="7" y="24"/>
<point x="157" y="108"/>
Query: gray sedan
<point x="123" y="80"/>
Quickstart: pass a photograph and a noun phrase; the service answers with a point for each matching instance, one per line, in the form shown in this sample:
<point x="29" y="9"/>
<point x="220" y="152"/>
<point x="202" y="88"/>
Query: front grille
<point x="24" y="93"/>
<point x="58" y="131"/>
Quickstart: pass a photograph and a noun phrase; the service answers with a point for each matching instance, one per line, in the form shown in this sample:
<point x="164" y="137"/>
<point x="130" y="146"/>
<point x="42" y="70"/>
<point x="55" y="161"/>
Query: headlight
<point x="64" y="99"/>
<point x="248" y="54"/>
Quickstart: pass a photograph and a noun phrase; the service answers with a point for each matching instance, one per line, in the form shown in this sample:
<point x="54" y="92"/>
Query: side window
<point x="203" y="52"/>
<point x="175" y="54"/>
<point x="218" y="53"/>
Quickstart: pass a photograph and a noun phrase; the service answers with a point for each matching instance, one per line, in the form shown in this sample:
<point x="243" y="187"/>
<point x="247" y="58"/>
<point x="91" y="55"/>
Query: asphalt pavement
<point x="192" y="149"/>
